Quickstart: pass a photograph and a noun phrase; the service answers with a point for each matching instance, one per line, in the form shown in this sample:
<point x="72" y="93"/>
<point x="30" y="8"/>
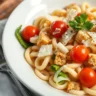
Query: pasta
<point x="44" y="63"/>
<point x="58" y="86"/>
<point x="61" y="53"/>
<point x="59" y="13"/>
<point x="85" y="6"/>
<point x="42" y="22"/>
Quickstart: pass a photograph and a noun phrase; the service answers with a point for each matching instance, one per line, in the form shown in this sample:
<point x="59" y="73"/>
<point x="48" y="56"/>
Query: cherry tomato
<point x="79" y="53"/>
<point x="87" y="77"/>
<point x="29" y="31"/>
<point x="58" y="28"/>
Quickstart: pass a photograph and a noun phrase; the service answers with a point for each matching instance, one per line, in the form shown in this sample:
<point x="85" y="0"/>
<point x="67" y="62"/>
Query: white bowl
<point x="24" y="14"/>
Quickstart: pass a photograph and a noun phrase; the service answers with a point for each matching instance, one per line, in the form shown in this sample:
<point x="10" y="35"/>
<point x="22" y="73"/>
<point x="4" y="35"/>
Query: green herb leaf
<point x="78" y="19"/>
<point x="81" y="23"/>
<point x="88" y="25"/>
<point x="77" y="28"/>
<point x="63" y="74"/>
<point x="73" y="23"/>
<point x="84" y="17"/>
<point x="55" y="67"/>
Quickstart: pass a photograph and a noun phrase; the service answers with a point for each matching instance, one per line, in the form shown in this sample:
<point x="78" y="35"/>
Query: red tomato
<point x="29" y="31"/>
<point x="79" y="53"/>
<point x="87" y="77"/>
<point x="58" y="28"/>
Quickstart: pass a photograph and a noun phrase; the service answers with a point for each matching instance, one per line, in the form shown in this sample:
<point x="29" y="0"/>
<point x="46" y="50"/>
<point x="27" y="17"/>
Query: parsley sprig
<point x="81" y="23"/>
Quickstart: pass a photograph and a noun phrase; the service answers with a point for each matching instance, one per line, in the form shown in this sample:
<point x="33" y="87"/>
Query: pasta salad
<point x="61" y="48"/>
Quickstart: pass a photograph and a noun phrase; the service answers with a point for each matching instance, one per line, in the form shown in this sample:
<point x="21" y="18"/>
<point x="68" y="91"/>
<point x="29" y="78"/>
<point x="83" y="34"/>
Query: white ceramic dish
<point x="24" y="14"/>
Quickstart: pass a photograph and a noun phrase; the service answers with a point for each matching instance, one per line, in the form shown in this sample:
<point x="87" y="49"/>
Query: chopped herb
<point x="81" y="23"/>
<point x="62" y="74"/>
<point x="55" y="68"/>
<point x="88" y="25"/>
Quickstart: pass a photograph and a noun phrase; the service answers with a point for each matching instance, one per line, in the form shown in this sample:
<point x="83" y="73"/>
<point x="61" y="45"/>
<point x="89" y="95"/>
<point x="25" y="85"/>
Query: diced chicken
<point x="60" y="59"/>
<point x="81" y="36"/>
<point x="73" y="86"/>
<point x="43" y="39"/>
<point x="92" y="60"/>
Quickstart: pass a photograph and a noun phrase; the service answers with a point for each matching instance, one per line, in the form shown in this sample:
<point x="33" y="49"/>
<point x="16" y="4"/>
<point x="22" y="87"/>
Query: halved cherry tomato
<point x="79" y="53"/>
<point x="58" y="28"/>
<point x="29" y="31"/>
<point x="87" y="77"/>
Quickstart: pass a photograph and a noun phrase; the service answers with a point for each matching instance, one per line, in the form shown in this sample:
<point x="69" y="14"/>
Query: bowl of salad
<point x="51" y="46"/>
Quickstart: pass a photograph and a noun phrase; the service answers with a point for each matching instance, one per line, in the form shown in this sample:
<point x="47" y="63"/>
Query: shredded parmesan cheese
<point x="45" y="50"/>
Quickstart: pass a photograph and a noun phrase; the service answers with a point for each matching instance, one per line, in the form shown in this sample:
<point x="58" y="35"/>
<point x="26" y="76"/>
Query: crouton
<point x="60" y="58"/>
<point x="73" y="86"/>
<point x="92" y="60"/>
<point x="81" y="36"/>
<point x="43" y="39"/>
